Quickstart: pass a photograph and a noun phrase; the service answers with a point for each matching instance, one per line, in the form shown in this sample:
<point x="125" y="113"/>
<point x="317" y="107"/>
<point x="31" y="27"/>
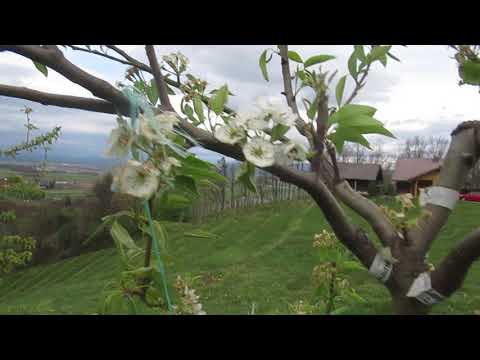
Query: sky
<point x="418" y="96"/>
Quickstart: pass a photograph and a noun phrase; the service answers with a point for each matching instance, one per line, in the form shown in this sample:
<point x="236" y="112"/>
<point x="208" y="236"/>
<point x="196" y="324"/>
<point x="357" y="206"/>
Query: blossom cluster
<point x="325" y="239"/>
<point x="190" y="301"/>
<point x="152" y="135"/>
<point x="251" y="130"/>
<point x="177" y="61"/>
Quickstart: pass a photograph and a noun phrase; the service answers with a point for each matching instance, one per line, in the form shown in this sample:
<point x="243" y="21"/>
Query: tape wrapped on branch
<point x="381" y="268"/>
<point x="440" y="196"/>
<point x="422" y="290"/>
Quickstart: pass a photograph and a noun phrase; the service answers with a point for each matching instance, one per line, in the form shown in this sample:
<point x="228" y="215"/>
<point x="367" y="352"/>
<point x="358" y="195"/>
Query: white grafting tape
<point x="422" y="290"/>
<point x="380" y="268"/>
<point x="440" y="196"/>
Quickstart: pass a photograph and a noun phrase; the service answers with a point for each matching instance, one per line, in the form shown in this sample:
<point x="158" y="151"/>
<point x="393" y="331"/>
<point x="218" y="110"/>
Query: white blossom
<point x="119" y="141"/>
<point x="295" y="151"/>
<point x="167" y="164"/>
<point x="138" y="180"/>
<point x="279" y="112"/>
<point x="230" y="134"/>
<point x="259" y="152"/>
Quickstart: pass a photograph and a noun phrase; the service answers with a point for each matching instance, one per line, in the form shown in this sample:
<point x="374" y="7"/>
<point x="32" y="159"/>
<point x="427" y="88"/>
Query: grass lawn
<point x="261" y="256"/>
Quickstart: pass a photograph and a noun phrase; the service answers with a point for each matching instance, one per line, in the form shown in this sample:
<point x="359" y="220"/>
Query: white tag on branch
<point x="422" y="290"/>
<point x="440" y="196"/>
<point x="381" y="268"/>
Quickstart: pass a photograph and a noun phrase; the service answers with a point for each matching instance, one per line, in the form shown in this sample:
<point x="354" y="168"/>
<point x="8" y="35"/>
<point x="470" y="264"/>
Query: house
<point x="360" y="176"/>
<point x="411" y="175"/>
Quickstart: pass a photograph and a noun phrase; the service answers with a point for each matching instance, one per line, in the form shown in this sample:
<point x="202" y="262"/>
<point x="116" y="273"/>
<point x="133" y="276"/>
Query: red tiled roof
<point x="409" y="169"/>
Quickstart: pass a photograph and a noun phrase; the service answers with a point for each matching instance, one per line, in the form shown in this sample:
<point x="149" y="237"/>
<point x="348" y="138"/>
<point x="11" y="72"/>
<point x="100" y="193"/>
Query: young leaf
<point x="352" y="65"/>
<point x="152" y="92"/>
<point x="218" y="101"/>
<point x="360" y="52"/>
<point x="278" y="131"/>
<point x="198" y="107"/>
<point x="247" y="176"/>
<point x="470" y="72"/>
<point x="339" y="89"/>
<point x="263" y="64"/>
<point x="42" y="68"/>
<point x="121" y="235"/>
<point x="377" y="53"/>
<point x="349" y="111"/>
<point x="294" y="56"/>
<point x="317" y="59"/>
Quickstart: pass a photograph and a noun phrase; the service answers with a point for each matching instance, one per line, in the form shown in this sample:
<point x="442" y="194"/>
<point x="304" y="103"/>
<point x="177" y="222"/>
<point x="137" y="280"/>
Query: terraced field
<point x="262" y="257"/>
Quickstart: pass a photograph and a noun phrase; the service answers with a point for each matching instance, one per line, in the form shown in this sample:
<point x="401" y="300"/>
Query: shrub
<point x="20" y="189"/>
<point x="389" y="189"/>
<point x="372" y="189"/>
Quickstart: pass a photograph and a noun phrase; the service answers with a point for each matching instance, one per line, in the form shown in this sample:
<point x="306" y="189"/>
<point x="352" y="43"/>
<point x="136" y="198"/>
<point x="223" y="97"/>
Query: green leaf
<point x="470" y="72"/>
<point x="294" y="56"/>
<point x="341" y="310"/>
<point x="200" y="234"/>
<point x="390" y="55"/>
<point x="152" y="92"/>
<point x="187" y="184"/>
<point x="218" y="101"/>
<point x="342" y="134"/>
<point x="339" y="89"/>
<point x="121" y="236"/>
<point x="349" y="111"/>
<point x="246" y="176"/>
<point x="199" y="169"/>
<point x="384" y="60"/>
<point x="360" y="52"/>
<point x="278" y="131"/>
<point x="140" y="85"/>
<point x="378" y="53"/>
<point x="187" y="110"/>
<point x="198" y="107"/>
<point x="263" y="64"/>
<point x="42" y="68"/>
<point x="352" y="65"/>
<point x="317" y="59"/>
<point x="353" y="265"/>
<point x="312" y="109"/>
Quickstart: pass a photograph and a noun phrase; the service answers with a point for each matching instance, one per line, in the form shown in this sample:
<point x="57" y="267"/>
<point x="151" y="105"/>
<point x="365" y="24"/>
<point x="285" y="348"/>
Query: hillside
<point x="263" y="257"/>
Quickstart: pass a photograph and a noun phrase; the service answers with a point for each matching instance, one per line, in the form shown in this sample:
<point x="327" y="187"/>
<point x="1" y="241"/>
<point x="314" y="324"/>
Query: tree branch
<point x="136" y="64"/>
<point x="159" y="80"/>
<point x="450" y="274"/>
<point x="461" y="157"/>
<point x="301" y="126"/>
<point x="54" y="59"/>
<point x="350" y="235"/>
<point x="66" y="101"/>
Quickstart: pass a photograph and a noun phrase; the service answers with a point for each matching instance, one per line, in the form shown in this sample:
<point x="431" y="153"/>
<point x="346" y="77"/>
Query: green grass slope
<point x="261" y="256"/>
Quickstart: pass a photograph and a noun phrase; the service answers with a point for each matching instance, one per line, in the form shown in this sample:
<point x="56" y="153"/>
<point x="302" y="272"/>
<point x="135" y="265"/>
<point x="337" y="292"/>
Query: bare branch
<point x="159" y="80"/>
<point x="301" y="126"/>
<point x="54" y="59"/>
<point x="110" y="57"/>
<point x="131" y="59"/>
<point x="66" y="101"/>
<point x="450" y="274"/>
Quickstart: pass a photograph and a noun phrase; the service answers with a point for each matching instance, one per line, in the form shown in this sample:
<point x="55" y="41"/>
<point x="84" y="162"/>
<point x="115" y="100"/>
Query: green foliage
<point x="339" y="89"/>
<point x="246" y="176"/>
<point x="389" y="189"/>
<point x="22" y="190"/>
<point x="470" y="72"/>
<point x="318" y="59"/>
<point x="38" y="141"/>
<point x="218" y="101"/>
<point x="372" y="189"/>
<point x="263" y="61"/>
<point x="42" y="68"/>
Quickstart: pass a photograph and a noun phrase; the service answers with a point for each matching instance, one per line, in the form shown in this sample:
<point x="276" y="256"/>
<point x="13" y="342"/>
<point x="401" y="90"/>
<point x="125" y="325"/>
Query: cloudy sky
<point x="418" y="96"/>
